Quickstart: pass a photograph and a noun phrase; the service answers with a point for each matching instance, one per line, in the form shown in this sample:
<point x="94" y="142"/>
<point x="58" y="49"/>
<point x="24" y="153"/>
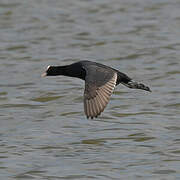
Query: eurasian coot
<point x="100" y="81"/>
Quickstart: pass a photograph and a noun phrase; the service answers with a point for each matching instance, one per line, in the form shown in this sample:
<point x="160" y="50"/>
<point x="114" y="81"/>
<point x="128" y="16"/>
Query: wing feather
<point x="96" y="97"/>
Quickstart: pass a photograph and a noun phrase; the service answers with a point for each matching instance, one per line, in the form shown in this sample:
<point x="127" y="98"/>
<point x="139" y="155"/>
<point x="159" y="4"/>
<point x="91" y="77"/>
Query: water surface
<point x="43" y="131"/>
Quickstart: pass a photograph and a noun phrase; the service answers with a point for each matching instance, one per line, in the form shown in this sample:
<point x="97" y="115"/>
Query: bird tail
<point x="135" y="85"/>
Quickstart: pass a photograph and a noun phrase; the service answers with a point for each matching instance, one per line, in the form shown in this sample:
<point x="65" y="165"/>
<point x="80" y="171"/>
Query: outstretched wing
<point x="99" y="85"/>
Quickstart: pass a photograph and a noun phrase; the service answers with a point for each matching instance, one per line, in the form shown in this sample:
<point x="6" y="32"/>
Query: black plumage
<point x="100" y="81"/>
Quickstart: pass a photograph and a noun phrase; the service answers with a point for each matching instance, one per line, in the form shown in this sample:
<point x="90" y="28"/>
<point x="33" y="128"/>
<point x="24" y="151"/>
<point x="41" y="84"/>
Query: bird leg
<point x="135" y="85"/>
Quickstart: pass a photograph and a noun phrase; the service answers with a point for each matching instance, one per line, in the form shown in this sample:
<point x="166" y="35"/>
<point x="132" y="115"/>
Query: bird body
<point x="100" y="81"/>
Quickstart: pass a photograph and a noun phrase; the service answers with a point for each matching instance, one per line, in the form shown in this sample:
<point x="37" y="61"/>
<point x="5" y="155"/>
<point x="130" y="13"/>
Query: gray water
<point x="44" y="133"/>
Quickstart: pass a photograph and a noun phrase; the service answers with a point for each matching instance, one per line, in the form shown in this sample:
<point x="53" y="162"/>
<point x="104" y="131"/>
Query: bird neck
<point x="70" y="70"/>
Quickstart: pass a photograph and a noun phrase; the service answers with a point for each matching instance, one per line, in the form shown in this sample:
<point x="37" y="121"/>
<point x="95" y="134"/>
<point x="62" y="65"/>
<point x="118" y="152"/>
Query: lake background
<point x="44" y="133"/>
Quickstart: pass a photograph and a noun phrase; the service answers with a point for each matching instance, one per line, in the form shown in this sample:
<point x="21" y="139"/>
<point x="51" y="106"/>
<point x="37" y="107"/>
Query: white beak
<point x="44" y="74"/>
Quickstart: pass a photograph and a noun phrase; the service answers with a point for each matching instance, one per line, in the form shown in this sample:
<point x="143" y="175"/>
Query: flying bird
<point x="100" y="81"/>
